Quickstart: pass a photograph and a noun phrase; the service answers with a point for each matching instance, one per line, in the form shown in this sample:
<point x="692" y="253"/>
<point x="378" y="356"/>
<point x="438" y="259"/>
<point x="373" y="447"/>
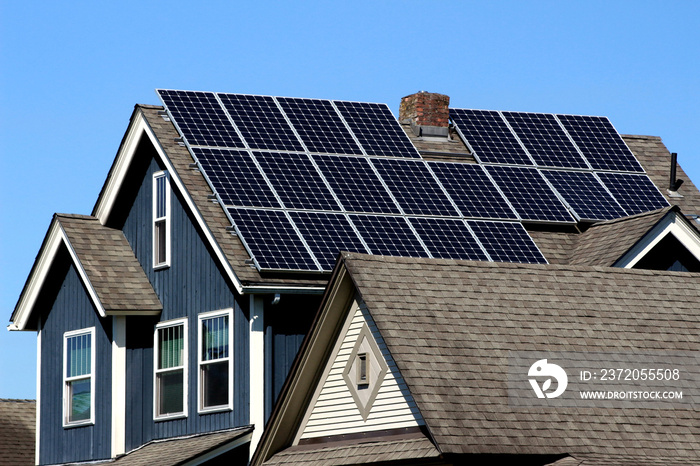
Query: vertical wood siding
<point x="286" y="324"/>
<point x="193" y="284"/>
<point x="72" y="310"/>
<point x="335" y="412"/>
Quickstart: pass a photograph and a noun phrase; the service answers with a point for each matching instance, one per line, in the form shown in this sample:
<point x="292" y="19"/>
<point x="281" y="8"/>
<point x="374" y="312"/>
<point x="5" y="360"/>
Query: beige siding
<point x="334" y="411"/>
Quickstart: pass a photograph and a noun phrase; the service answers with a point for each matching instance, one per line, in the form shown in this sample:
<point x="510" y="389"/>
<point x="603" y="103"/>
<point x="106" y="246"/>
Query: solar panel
<point x="296" y="181"/>
<point x="529" y="194"/>
<point x="600" y="143"/>
<point x="545" y="140"/>
<point x="200" y="118"/>
<point x="414" y="187"/>
<point x="507" y="242"/>
<point x="327" y="234"/>
<point x="235" y="177"/>
<point x="448" y="238"/>
<point x="585" y="195"/>
<point x="376" y="128"/>
<point x="271" y="239"/>
<point x="489" y="136"/>
<point x="355" y="184"/>
<point x="635" y="193"/>
<point x="319" y="126"/>
<point x="389" y="236"/>
<point x="261" y="122"/>
<point x="472" y="190"/>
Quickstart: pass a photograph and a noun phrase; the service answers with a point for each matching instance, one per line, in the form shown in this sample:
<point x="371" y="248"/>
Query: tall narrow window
<point x="161" y="220"/>
<point x="215" y="385"/>
<point x="170" y="369"/>
<point x="79" y="382"/>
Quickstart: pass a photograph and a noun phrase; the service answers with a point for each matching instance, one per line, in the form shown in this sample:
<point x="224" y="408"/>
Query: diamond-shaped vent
<point x="365" y="371"/>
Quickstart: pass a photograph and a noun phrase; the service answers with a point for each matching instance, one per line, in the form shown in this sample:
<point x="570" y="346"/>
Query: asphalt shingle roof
<point x="17" y="432"/>
<point x="450" y="326"/>
<point x="110" y="264"/>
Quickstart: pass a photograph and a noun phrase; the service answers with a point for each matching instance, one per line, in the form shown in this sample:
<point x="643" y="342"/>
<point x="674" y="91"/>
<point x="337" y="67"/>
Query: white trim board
<point x="673" y="223"/>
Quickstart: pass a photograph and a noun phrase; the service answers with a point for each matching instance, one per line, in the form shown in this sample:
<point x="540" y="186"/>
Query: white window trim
<point x="166" y="263"/>
<point x="66" y="400"/>
<point x="185" y="372"/>
<point x="200" y="400"/>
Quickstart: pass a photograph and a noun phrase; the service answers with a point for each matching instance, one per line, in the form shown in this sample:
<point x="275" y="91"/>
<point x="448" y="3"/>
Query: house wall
<point x="72" y="309"/>
<point x="193" y="284"/>
<point x="286" y="324"/>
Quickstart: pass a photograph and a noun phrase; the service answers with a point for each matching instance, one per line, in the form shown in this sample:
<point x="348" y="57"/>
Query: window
<point x="161" y="220"/>
<point x="215" y="362"/>
<point x="362" y="374"/>
<point x="79" y="383"/>
<point x="170" y="369"/>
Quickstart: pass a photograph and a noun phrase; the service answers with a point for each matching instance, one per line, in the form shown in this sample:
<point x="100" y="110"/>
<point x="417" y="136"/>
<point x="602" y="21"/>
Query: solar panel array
<point x="302" y="179"/>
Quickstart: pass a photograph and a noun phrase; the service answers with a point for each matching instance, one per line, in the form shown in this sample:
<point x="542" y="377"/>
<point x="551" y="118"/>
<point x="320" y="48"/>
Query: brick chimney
<point x="427" y="113"/>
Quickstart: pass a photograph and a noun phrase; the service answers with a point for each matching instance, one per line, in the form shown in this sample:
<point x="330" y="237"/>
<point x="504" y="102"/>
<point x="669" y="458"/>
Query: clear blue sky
<point x="72" y="70"/>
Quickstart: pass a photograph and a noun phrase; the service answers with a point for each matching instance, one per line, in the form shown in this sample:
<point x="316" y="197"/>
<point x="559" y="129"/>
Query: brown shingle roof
<point x="17" y="432"/>
<point x="110" y="264"/>
<point x="356" y="453"/>
<point x="177" y="451"/>
<point x="450" y="326"/>
<point x="656" y="160"/>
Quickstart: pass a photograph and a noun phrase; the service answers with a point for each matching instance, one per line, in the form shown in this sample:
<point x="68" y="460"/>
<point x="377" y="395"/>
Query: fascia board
<point x="220" y="450"/>
<point x="54" y="238"/>
<point x="674" y="223"/>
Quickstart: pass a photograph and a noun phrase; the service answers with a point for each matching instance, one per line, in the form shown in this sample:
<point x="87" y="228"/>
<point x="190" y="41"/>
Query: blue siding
<point x="286" y="324"/>
<point x="193" y="284"/>
<point x="73" y="310"/>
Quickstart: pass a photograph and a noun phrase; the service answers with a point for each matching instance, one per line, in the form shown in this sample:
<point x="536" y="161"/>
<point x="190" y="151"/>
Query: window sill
<point x="214" y="409"/>
<point x="170" y="417"/>
<point x="73" y="425"/>
<point x="161" y="266"/>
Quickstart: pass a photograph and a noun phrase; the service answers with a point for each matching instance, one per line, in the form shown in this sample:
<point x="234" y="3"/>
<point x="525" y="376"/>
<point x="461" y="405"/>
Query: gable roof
<point x="106" y="264"/>
<point x="451" y="325"/>
<point x="17" y="432"/>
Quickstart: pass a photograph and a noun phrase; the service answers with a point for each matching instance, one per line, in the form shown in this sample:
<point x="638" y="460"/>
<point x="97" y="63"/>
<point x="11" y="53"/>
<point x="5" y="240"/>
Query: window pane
<point x="171" y="345"/>
<point x="215" y="384"/>
<point x="170" y="391"/>
<point x="79" y="395"/>
<point x="160" y="197"/>
<point x="160" y="241"/>
<point x="215" y="338"/>
<point x="79" y="355"/>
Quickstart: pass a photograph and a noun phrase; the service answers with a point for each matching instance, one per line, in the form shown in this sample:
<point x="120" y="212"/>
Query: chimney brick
<point x="425" y="109"/>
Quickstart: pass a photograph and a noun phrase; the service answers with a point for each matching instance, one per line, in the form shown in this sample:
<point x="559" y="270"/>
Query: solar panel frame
<point x="272" y="240"/>
<point x="472" y="190"/>
<point x="545" y="140"/>
<point x="261" y="122"/>
<point x="506" y="242"/>
<point x="415" y="189"/>
<point x="327" y="234"/>
<point x="203" y="124"/>
<point x="636" y="193"/>
<point x="355" y="183"/>
<point x="235" y="177"/>
<point x="388" y="235"/>
<point x="377" y="129"/>
<point x="296" y="181"/>
<point x="489" y="137"/>
<point x="448" y="238"/>
<point x="319" y="126"/>
<point x="600" y="143"/>
<point x="529" y="194"/>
